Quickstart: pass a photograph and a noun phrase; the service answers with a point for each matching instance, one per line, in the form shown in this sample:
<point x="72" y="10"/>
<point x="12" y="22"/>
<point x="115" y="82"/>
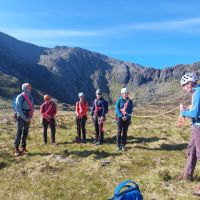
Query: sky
<point x="152" y="33"/>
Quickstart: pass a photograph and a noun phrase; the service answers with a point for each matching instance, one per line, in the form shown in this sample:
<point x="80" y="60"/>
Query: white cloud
<point x="186" y="25"/>
<point x="47" y="33"/>
<point x="189" y="26"/>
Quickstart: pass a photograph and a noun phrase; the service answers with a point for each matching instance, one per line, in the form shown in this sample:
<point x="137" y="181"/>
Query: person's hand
<point x="182" y="107"/>
<point x="102" y="119"/>
<point x="124" y="118"/>
<point x="189" y="107"/>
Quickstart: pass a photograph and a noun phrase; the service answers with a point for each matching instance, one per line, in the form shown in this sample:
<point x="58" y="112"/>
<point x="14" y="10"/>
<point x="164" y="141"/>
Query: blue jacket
<point x="194" y="112"/>
<point x="120" y="105"/>
<point x="22" y="107"/>
<point x="100" y="107"/>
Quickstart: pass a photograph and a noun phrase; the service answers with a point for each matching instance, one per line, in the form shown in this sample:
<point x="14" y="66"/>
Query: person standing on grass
<point x="123" y="109"/>
<point x="99" y="111"/>
<point x="24" y="112"/>
<point x="189" y="84"/>
<point x="48" y="111"/>
<point x="81" y="118"/>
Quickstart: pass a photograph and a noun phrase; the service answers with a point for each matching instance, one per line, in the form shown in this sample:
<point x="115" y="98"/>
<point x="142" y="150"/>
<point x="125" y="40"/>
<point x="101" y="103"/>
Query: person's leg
<point x="25" y="134"/>
<point x="101" y="132"/>
<point x="124" y="135"/>
<point x="45" y="126"/>
<point x="119" y="131"/>
<point x="53" y="130"/>
<point x="196" y="132"/>
<point x="83" y="121"/>
<point x="78" y="126"/>
<point x="19" y="124"/>
<point x="191" y="160"/>
<point x="96" y="124"/>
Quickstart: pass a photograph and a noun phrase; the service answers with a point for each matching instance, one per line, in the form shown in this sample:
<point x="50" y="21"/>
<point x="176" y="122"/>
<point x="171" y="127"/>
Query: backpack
<point x="132" y="191"/>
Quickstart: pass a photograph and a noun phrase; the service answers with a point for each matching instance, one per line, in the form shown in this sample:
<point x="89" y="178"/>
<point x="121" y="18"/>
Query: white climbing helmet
<point x="124" y="90"/>
<point x="81" y="94"/>
<point x="188" y="77"/>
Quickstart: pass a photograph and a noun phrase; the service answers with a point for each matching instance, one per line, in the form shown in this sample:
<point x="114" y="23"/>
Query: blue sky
<point x="154" y="33"/>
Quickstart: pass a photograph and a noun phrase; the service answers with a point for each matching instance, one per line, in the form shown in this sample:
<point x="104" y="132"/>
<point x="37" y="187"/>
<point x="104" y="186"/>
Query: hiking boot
<point x="98" y="143"/>
<point x="84" y="141"/>
<point x="185" y="176"/>
<point x="54" y="143"/>
<point x="118" y="149"/>
<point x="17" y="152"/>
<point x="124" y="148"/>
<point x="77" y="140"/>
<point x="24" y="151"/>
<point x="94" y="142"/>
<point x="197" y="191"/>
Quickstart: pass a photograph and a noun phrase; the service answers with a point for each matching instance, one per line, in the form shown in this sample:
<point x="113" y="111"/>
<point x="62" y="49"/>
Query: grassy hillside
<point x="156" y="155"/>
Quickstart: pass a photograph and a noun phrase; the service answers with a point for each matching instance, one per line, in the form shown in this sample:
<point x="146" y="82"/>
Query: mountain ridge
<point x="64" y="71"/>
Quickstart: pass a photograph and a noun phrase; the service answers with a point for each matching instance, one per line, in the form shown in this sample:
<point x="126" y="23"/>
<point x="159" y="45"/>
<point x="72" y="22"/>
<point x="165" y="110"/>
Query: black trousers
<point x="52" y="124"/>
<point x="22" y="132"/>
<point x="98" y="129"/>
<point x="122" y="129"/>
<point x="80" y="123"/>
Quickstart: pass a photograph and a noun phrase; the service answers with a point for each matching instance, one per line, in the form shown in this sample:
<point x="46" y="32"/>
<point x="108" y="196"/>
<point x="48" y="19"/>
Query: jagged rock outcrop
<point x="63" y="72"/>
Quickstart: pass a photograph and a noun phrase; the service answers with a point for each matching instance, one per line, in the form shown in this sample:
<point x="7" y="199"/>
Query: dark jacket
<point x="100" y="107"/>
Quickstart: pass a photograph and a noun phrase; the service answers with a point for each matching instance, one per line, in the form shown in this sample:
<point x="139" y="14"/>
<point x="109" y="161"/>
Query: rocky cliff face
<point x="63" y="72"/>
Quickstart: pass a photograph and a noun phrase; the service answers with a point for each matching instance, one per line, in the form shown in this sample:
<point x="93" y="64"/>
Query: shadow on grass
<point x="98" y="154"/>
<point x="38" y="154"/>
<point x="3" y="165"/>
<point x="167" y="147"/>
<point x="6" y="159"/>
<point x="110" y="140"/>
<point x="132" y="139"/>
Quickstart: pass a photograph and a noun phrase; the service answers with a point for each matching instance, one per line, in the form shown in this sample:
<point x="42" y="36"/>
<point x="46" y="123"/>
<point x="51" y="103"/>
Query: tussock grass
<point x="156" y="155"/>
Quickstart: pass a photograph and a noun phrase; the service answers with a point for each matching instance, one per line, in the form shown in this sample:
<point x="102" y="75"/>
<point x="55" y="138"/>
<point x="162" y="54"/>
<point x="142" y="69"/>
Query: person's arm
<point x="19" y="105"/>
<point x="76" y="110"/>
<point x="42" y="110"/>
<point x="93" y="108"/>
<point x="117" y="110"/>
<point x="32" y="101"/>
<point x="51" y="111"/>
<point x="194" y="112"/>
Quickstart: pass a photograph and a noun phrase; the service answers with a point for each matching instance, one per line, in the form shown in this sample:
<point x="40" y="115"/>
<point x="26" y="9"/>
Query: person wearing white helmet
<point x="189" y="84"/>
<point x="24" y="108"/>
<point x="123" y="109"/>
<point x="98" y="115"/>
<point x="81" y="117"/>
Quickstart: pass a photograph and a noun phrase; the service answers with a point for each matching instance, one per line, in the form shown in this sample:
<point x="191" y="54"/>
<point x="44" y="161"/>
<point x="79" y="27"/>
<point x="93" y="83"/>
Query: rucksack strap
<point x="124" y="184"/>
<point x="28" y="101"/>
<point x="123" y="111"/>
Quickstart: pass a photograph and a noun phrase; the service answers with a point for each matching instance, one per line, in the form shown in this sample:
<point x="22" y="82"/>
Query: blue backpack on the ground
<point x="132" y="191"/>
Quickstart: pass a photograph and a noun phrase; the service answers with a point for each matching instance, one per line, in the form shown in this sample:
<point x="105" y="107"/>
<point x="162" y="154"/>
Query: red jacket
<point x="81" y="108"/>
<point x="48" y="110"/>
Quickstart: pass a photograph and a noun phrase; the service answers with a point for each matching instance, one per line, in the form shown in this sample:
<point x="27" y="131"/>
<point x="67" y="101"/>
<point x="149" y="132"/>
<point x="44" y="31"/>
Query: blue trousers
<point x="22" y="132"/>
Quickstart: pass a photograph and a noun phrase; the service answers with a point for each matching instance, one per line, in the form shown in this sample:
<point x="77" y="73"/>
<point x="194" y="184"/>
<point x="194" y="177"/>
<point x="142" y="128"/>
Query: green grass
<point x="156" y="155"/>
